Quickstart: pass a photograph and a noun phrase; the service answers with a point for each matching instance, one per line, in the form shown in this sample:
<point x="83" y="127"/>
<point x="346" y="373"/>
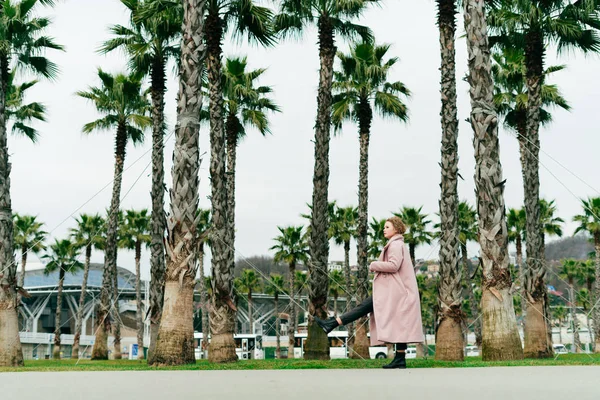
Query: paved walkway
<point x="523" y="383"/>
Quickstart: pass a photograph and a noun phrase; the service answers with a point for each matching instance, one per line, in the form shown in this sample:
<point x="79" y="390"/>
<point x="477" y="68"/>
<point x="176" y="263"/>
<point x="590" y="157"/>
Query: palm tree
<point x="239" y="17"/>
<point x="87" y="235"/>
<point x="417" y="232"/>
<point x="377" y="240"/>
<point x="250" y="282"/>
<point x="361" y="86"/>
<point x="551" y="225"/>
<point x="583" y="300"/>
<point x="467" y="232"/>
<point x="29" y="237"/>
<point x="23" y="114"/>
<point x="274" y="286"/>
<point x="532" y="25"/>
<point x="291" y="248"/>
<point x="589" y="221"/>
<point x="175" y="343"/>
<point x="587" y="279"/>
<point x="151" y="41"/>
<point x="203" y="226"/>
<point x="560" y="313"/>
<point x="342" y="228"/>
<point x="135" y="233"/>
<point x="124" y="105"/>
<point x="300" y="281"/>
<point x="62" y="258"/>
<point x="332" y="17"/>
<point x="22" y="45"/>
<point x="515" y="223"/>
<point x="335" y="288"/>
<point x="571" y="271"/>
<point x="500" y="336"/>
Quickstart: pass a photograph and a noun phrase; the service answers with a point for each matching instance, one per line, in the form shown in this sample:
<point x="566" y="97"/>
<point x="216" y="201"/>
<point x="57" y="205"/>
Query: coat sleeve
<point x="395" y="256"/>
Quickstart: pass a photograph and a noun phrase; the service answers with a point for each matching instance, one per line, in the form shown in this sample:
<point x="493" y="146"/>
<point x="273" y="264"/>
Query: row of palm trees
<point x="64" y="254"/>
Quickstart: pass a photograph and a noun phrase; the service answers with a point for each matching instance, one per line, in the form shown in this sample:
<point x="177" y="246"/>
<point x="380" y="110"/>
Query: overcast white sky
<point x="65" y="170"/>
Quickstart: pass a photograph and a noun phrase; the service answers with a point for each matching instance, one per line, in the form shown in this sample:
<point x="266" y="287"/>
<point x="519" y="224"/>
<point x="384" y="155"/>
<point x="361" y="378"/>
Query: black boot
<point x="327" y="325"/>
<point x="399" y="361"/>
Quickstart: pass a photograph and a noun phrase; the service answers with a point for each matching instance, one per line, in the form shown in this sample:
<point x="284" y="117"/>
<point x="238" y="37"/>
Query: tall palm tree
<point x="500" y="336"/>
<point x="449" y="335"/>
<point x="361" y="86"/>
<point x="22" y="46"/>
<point x="589" y="221"/>
<point x="274" y="286"/>
<point x="152" y="40"/>
<point x="292" y="249"/>
<point x="87" y="235"/>
<point x="331" y="17"/>
<point x="417" y="230"/>
<point x="21" y="114"/>
<point x="135" y="233"/>
<point x="335" y="288"/>
<point x="587" y="279"/>
<point x="203" y="226"/>
<point x="29" y="238"/>
<point x="241" y="18"/>
<point x="175" y="343"/>
<point x="250" y="282"/>
<point x="467" y="232"/>
<point x="124" y="105"/>
<point x="532" y="25"/>
<point x="62" y="258"/>
<point x="571" y="271"/>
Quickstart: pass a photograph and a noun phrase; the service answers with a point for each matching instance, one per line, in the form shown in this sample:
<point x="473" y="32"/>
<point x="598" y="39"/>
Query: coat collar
<point x="393" y="239"/>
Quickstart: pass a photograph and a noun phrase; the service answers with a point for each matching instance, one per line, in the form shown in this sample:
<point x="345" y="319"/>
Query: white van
<point x="560" y="348"/>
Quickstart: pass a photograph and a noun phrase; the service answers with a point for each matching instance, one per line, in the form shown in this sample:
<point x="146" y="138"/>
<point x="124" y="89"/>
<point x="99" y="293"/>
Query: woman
<point x="395" y="306"/>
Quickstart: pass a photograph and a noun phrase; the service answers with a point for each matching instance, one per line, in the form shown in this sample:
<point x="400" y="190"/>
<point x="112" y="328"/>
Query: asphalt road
<point x="523" y="383"/>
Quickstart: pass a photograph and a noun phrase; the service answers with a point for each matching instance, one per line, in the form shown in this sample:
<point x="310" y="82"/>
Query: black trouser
<point x="362" y="310"/>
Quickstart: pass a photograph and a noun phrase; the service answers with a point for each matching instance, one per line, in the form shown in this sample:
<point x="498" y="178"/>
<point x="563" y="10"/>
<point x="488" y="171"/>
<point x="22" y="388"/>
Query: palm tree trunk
<point x="292" y="316"/>
<point x="335" y="306"/>
<point x="360" y="345"/>
<point x="472" y="302"/>
<point x="108" y="294"/>
<point x="79" y="318"/>
<point x="10" y="343"/>
<point x="175" y="341"/>
<point x="21" y="282"/>
<point x="560" y="330"/>
<point x="223" y="311"/>
<point x="203" y="300"/>
<point x="251" y="320"/>
<point x="157" y="249"/>
<point x="138" y="299"/>
<point x="501" y="339"/>
<point x="277" y="328"/>
<point x="574" y="320"/>
<point x="317" y="344"/>
<point x="231" y="136"/>
<point x="349" y="292"/>
<point x="411" y="251"/>
<point x="449" y="335"/>
<point x="596" y="296"/>
<point x="118" y="354"/>
<point x="538" y="344"/>
<point x="57" y="319"/>
<point x="522" y="273"/>
<point x="589" y="285"/>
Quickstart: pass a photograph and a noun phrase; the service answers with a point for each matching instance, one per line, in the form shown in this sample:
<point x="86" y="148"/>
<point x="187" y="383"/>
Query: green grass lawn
<point x="126" y="365"/>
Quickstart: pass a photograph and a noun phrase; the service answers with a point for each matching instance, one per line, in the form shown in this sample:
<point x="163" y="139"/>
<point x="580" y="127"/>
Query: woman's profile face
<point x="389" y="230"/>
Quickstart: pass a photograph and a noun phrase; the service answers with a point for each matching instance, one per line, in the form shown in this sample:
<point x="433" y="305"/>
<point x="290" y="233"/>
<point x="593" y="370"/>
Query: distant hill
<point x="577" y="247"/>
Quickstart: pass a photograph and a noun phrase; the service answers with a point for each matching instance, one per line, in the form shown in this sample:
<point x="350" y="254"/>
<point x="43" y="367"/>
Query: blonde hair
<point x="398" y="224"/>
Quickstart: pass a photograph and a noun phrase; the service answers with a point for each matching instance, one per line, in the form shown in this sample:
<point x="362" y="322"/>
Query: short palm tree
<point x="560" y="313"/>
<point x="250" y="282"/>
<point x="124" y="106"/>
<point x="335" y="288"/>
<point x="571" y="271"/>
<point x="150" y="41"/>
<point x="274" y="287"/>
<point x="292" y="249"/>
<point x="87" y="235"/>
<point x="22" y="46"/>
<point x="532" y="25"/>
<point x="242" y="18"/>
<point x="515" y="223"/>
<point x="175" y="340"/>
<point x="589" y="221"/>
<point x="62" y="258"/>
<point x="135" y="233"/>
<point x="29" y="238"/>
<point x="551" y="224"/>
<point x="417" y="230"/>
<point x="333" y="18"/>
<point x="587" y="279"/>
<point x="376" y="239"/>
<point x="499" y="325"/>
<point x="342" y="228"/>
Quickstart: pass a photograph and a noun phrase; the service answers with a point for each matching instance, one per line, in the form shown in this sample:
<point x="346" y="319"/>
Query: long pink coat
<point x="396" y="316"/>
